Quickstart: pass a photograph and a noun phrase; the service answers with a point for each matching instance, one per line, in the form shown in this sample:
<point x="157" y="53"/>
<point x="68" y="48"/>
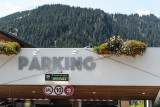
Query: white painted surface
<point x="115" y="71"/>
<point x="157" y="98"/>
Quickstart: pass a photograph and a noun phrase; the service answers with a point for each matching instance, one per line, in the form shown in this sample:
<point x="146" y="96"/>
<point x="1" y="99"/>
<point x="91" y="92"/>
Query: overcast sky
<point x="142" y="7"/>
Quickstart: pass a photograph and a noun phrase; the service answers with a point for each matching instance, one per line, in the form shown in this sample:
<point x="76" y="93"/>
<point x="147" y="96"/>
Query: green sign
<point x="56" y="77"/>
<point x="60" y="78"/>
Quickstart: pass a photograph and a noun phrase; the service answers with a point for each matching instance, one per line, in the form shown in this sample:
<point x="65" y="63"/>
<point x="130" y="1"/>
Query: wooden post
<point x="77" y="104"/>
<point x="124" y="103"/>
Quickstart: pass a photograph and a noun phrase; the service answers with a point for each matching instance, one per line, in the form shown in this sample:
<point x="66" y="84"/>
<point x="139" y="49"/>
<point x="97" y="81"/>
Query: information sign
<point x="69" y="90"/>
<point x="56" y="77"/>
<point x="58" y="90"/>
<point x="48" y="90"/>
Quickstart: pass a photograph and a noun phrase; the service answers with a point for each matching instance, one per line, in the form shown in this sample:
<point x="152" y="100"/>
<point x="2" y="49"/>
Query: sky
<point x="142" y="7"/>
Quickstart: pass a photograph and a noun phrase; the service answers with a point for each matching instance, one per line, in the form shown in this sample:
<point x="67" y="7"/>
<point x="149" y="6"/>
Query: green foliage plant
<point x="9" y="48"/>
<point x="1" y="47"/>
<point x="158" y="103"/>
<point x="99" y="49"/>
<point x="137" y="103"/>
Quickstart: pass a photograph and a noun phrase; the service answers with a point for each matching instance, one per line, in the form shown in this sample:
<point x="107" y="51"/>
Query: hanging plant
<point x="101" y="49"/>
<point x="115" y="45"/>
<point x="112" y="46"/>
<point x="9" y="48"/>
<point x="133" y="48"/>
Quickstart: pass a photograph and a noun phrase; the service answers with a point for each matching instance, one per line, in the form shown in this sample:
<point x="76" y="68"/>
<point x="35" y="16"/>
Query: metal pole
<point x="79" y="103"/>
<point x="145" y="103"/>
<point x="119" y="103"/>
<point x="150" y="103"/>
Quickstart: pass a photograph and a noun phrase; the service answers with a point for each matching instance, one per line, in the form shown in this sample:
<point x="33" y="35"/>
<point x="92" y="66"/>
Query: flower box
<point x="9" y="48"/>
<point x="118" y="47"/>
<point x="105" y="51"/>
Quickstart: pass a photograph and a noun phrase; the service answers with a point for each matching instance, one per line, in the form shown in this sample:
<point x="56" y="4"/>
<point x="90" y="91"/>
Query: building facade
<point x="97" y="80"/>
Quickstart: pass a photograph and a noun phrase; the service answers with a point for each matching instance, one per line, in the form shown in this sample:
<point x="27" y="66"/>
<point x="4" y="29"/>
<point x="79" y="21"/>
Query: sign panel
<point x="48" y="90"/>
<point x="56" y="77"/>
<point x="58" y="90"/>
<point x="68" y="90"/>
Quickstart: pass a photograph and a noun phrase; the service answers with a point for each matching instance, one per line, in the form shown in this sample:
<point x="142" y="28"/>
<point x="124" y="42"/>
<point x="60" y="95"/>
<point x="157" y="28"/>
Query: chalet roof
<point x="18" y="39"/>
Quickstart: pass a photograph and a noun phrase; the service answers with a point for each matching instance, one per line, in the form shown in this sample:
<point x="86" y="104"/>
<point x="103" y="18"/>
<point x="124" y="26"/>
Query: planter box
<point x="105" y="52"/>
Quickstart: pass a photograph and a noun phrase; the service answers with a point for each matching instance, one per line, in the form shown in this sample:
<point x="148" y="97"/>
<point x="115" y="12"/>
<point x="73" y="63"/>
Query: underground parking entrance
<point x="83" y="96"/>
<point x="64" y="103"/>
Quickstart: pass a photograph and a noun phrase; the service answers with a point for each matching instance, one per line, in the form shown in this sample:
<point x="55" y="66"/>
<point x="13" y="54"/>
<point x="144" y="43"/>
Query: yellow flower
<point x="104" y="45"/>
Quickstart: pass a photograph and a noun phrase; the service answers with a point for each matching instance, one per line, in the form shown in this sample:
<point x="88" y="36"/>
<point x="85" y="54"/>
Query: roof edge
<point x="18" y="39"/>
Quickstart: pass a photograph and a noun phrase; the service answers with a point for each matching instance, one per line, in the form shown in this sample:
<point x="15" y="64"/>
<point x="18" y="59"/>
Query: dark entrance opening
<point x="48" y="105"/>
<point x="51" y="105"/>
<point x="66" y="103"/>
<point x="99" y="106"/>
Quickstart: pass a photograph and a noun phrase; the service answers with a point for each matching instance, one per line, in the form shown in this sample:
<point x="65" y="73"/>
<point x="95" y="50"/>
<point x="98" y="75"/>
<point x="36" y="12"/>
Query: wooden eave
<point x="21" y="41"/>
